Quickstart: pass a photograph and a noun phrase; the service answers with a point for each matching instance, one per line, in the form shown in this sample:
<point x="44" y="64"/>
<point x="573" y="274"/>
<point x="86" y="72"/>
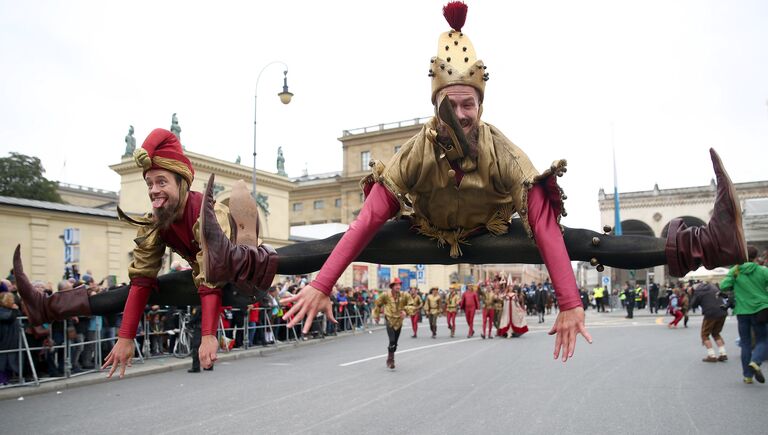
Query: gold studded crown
<point x="456" y="61"/>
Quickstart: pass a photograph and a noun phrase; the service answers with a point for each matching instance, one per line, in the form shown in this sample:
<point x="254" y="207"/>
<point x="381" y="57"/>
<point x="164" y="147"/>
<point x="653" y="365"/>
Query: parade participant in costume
<point x="456" y="184"/>
<point x="470" y="303"/>
<point x="451" y="307"/>
<point x="488" y="297"/>
<point x="415" y="317"/>
<point x="396" y="305"/>
<point x="513" y="323"/>
<point x="500" y="289"/>
<point x="433" y="307"/>
<point x="173" y="222"/>
<point x="715" y="312"/>
<point x="461" y="178"/>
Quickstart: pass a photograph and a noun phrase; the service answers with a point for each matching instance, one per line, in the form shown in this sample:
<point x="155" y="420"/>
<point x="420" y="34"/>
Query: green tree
<point x="21" y="176"/>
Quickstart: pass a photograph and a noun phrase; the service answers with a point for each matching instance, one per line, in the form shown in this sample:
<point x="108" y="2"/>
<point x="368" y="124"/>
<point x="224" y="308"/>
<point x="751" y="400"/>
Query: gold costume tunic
<point x="493" y="188"/>
<point x="452" y="302"/>
<point x="149" y="250"/>
<point x="417" y="304"/>
<point x="393" y="307"/>
<point x="499" y="304"/>
<point x="488" y="298"/>
<point x="433" y="305"/>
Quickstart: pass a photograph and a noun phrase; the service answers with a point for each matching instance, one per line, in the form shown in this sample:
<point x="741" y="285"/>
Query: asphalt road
<point x="637" y="377"/>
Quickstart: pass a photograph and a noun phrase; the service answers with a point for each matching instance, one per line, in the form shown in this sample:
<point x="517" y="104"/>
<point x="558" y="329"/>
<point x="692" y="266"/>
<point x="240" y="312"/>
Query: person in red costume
<point x="174" y="223"/>
<point x="469" y="303"/>
<point x="453" y="187"/>
<point x="460" y="178"/>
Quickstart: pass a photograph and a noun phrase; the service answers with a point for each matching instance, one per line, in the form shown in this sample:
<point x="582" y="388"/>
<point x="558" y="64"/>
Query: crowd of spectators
<point x="260" y="323"/>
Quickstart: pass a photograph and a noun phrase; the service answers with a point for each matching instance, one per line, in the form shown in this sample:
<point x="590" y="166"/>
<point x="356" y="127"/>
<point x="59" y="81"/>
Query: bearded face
<point x="466" y="103"/>
<point x="164" y="193"/>
<point x="472" y="138"/>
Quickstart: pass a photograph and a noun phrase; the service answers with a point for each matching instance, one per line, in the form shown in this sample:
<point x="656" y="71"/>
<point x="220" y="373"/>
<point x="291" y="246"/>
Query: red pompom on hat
<point x="162" y="150"/>
<point x="456" y="15"/>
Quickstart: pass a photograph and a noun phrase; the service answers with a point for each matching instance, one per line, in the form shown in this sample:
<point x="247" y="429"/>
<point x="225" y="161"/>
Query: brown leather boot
<point x="41" y="308"/>
<point x="245" y="213"/>
<point x="391" y="360"/>
<point x="719" y="243"/>
<point x="229" y="262"/>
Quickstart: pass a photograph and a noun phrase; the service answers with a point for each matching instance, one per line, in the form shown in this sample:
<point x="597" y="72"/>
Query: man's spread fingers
<point x="308" y="323"/>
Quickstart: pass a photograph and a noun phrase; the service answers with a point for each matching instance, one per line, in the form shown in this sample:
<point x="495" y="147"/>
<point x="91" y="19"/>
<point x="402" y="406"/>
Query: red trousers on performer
<point x="469" y="312"/>
<point x="678" y="316"/>
<point x="451" y="318"/>
<point x="488" y="315"/>
<point x="415" y="324"/>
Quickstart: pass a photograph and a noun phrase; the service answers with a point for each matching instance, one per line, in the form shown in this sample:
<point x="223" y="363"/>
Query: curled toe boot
<point x="41" y="308"/>
<point x="718" y="243"/>
<point x="229" y="262"/>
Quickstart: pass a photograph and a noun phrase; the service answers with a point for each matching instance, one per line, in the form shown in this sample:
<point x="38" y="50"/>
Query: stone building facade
<point x="649" y="213"/>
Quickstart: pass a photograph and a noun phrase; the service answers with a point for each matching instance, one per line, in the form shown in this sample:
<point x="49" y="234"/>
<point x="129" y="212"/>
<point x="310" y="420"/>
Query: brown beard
<point x="472" y="137"/>
<point x="166" y="216"/>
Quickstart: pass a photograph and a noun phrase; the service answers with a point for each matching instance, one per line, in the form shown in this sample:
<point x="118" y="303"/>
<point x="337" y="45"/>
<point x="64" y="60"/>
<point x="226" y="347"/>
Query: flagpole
<point x="616" y="205"/>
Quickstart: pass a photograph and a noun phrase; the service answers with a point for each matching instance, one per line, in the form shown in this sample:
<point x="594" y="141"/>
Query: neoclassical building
<point x="649" y="213"/>
<point x="85" y="230"/>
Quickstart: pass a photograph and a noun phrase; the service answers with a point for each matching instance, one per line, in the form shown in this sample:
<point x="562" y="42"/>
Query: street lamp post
<point x="285" y="98"/>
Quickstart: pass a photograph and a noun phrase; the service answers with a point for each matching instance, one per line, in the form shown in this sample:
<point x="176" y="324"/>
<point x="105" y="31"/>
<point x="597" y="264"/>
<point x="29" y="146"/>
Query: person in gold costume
<point x="396" y="306"/>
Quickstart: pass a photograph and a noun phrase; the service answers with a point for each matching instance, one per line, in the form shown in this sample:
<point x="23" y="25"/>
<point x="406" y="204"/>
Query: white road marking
<point x="465" y="340"/>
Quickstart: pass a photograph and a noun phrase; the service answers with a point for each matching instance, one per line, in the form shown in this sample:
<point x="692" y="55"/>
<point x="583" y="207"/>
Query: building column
<point x="38" y="232"/>
<point x="115" y="255"/>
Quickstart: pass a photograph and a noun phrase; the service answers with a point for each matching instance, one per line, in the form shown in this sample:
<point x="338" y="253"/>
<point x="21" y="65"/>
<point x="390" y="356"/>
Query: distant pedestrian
<point x="469" y="303"/>
<point x="451" y="307"/>
<point x="540" y="298"/>
<point x="416" y="316"/>
<point x="396" y="305"/>
<point x="674" y="309"/>
<point x="748" y="282"/>
<point x="684" y="304"/>
<point x="715" y="313"/>
<point x="653" y="298"/>
<point x="629" y="301"/>
<point x="433" y="306"/>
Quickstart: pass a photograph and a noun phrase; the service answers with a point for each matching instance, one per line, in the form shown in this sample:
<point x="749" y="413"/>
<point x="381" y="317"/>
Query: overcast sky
<point x="672" y="77"/>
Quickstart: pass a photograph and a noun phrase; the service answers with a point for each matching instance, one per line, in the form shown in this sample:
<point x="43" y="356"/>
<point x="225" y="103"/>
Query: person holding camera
<point x="707" y="296"/>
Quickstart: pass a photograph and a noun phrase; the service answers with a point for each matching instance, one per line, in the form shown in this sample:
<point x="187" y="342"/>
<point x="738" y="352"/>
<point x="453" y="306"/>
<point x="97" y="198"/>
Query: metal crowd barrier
<point x="351" y="319"/>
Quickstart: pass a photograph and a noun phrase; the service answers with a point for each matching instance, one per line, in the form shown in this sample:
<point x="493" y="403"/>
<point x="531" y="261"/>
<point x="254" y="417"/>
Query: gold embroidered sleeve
<point x="148" y="253"/>
<point x="411" y="306"/>
<point x="198" y="269"/>
<point x="377" y="305"/>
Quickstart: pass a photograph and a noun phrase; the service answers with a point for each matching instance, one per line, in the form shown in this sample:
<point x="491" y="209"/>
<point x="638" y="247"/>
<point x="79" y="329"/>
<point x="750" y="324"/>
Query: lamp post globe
<point x="285" y="98"/>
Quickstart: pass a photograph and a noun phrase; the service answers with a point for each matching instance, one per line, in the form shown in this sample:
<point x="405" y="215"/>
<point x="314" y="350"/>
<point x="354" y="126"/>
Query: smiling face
<point x="163" y="190"/>
<point x="465" y="103"/>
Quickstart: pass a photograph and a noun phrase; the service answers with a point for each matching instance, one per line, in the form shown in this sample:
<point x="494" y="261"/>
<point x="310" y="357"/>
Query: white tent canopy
<point x="702" y="273"/>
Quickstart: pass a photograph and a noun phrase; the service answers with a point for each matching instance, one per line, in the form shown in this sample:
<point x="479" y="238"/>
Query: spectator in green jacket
<point x="748" y="282"/>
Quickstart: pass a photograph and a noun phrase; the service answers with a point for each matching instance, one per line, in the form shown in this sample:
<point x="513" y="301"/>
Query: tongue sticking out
<point x="158" y="202"/>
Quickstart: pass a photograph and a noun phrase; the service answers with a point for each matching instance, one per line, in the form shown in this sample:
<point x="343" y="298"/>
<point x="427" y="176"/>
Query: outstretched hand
<point x="120" y="357"/>
<point x="306" y="304"/>
<point x="568" y="324"/>
<point x="209" y="345"/>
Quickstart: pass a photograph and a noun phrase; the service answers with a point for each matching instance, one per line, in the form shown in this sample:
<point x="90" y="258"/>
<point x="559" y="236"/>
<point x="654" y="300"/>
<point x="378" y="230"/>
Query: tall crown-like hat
<point x="162" y="150"/>
<point x="456" y="62"/>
